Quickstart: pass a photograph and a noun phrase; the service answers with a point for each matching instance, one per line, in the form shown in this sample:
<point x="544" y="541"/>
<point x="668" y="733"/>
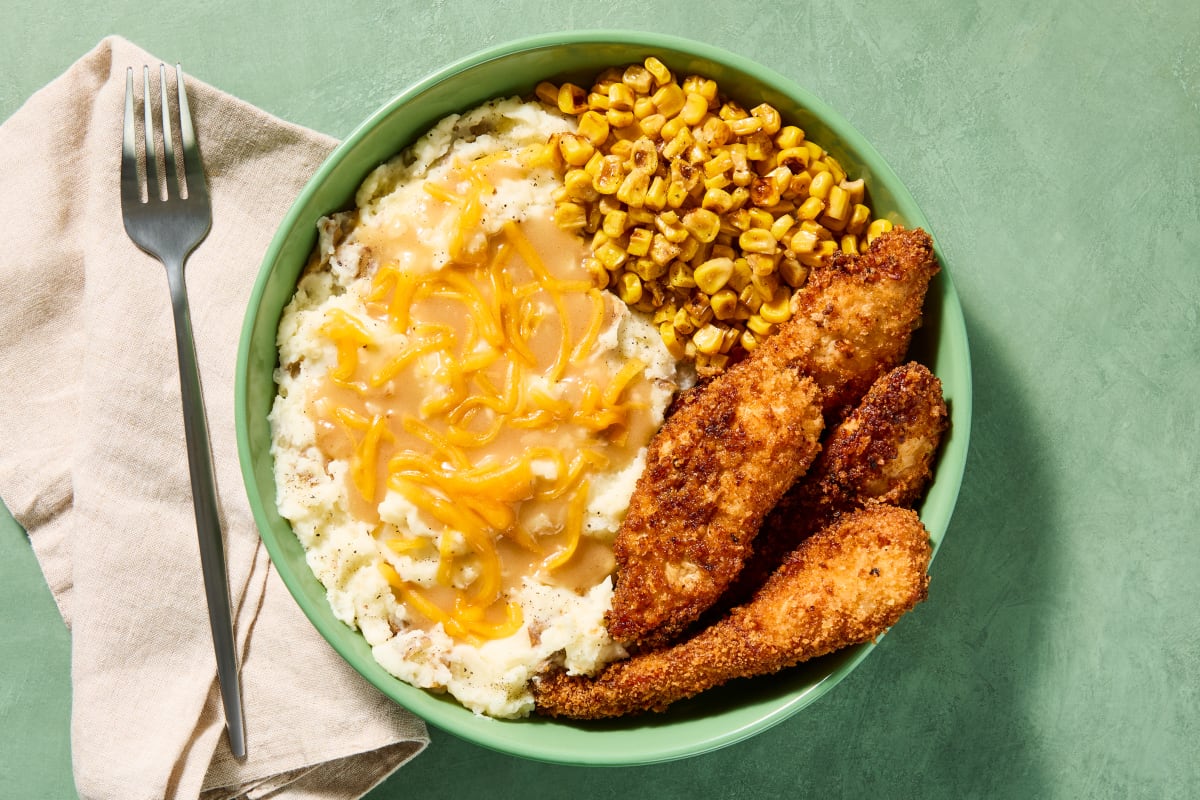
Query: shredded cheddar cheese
<point x="509" y="345"/>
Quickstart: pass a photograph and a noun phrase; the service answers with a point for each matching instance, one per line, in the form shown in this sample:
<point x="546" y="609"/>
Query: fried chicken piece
<point x="854" y="318"/>
<point x="711" y="478"/>
<point x="714" y="470"/>
<point x="846" y="584"/>
<point x="882" y="453"/>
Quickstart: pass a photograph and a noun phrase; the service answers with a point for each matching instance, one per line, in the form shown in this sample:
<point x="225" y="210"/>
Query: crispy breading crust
<point x="844" y="585"/>
<point x="882" y="452"/>
<point x="714" y="470"/>
<point x="854" y="318"/>
<point x="710" y="478"/>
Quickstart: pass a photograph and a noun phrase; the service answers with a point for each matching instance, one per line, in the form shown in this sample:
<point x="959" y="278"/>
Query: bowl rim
<point x="492" y="733"/>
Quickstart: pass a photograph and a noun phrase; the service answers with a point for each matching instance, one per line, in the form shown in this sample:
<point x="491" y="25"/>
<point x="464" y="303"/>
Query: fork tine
<point x="152" y="186"/>
<point x="193" y="168"/>
<point x="168" y="145"/>
<point x="130" y="190"/>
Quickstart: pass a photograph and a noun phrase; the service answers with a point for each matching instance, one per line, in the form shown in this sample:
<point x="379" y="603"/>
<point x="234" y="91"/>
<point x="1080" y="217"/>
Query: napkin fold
<point x="93" y="461"/>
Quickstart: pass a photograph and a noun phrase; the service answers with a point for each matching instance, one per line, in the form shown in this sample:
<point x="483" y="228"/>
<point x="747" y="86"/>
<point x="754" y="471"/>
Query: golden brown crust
<point x="845" y="585"/>
<point x="882" y="452"/>
<point x="720" y="462"/>
<point x="854" y="318"/>
<point x="732" y="447"/>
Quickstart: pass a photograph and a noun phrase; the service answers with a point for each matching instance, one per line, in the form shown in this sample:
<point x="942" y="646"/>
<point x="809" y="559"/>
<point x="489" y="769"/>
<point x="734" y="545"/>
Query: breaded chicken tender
<point x="854" y="318"/>
<point x="711" y="477"/>
<point x="846" y="584"/>
<point x="715" y="469"/>
<point x="882" y="452"/>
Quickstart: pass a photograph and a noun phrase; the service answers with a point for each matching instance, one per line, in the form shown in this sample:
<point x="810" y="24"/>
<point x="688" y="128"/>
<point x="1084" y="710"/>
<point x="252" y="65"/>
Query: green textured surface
<point x="1056" y="156"/>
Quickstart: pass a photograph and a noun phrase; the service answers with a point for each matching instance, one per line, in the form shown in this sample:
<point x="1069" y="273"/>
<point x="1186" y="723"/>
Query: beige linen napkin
<point x="93" y="461"/>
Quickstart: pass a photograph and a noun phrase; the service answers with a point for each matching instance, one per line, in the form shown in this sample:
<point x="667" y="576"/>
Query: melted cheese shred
<point x="478" y="396"/>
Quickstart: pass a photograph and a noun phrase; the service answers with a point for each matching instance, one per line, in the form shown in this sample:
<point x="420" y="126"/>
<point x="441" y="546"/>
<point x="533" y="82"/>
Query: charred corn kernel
<point x="695" y="106"/>
<point x="858" y="219"/>
<point x="729" y="337"/>
<point x="671" y="129"/>
<point x="593" y="164"/>
<point x="799" y="185"/>
<point x="715" y="131"/>
<point x="643" y="107"/>
<point x="688" y="248"/>
<point x="759" y="325"/>
<point x="760" y="218"/>
<point x="671" y="339"/>
<point x="637" y="78"/>
<point x="720" y="162"/>
<point x="681" y="276"/>
<point x="780" y="227"/>
<point x="658" y="70"/>
<point x="741" y="274"/>
<point x="761" y="265"/>
<point x="794" y="273"/>
<point x="656" y="195"/>
<point x="764" y="192"/>
<point x="594" y="127"/>
<point x="571" y="99"/>
<point x="647" y="269"/>
<point x="718" y="181"/>
<point x="644" y="155"/>
<point x="610" y="254"/>
<point x="711" y="276"/>
<point x="744" y="126"/>
<point x="578" y="184"/>
<point x="740" y="196"/>
<point x="748" y="340"/>
<point x="838" y="204"/>
<point x="678" y="144"/>
<point x="724" y="304"/>
<point x="779" y="308"/>
<point x="677" y="193"/>
<point x="575" y="149"/>
<point x="633" y="188"/>
<point x="758" y="146"/>
<point x="717" y="200"/>
<point x="683" y="323"/>
<point x="570" y="216"/>
<point x="802" y="241"/>
<point x="618" y="119"/>
<point x="669" y="100"/>
<point x="615" y="223"/>
<point x="705" y="87"/>
<point x="547" y="92"/>
<point x="708" y="339"/>
<point x="769" y="116"/>
<point x="702" y="224"/>
<point x="821" y="185"/>
<point x="827" y="247"/>
<point x="811" y="208"/>
<point x="816" y="229"/>
<point x="789" y="136"/>
<point x="620" y="97"/>
<point x="877" y="229"/>
<point x="795" y="159"/>
<point x="757" y="240"/>
<point x="598" y="101"/>
<point x="639" y="241"/>
<point x="640" y="216"/>
<point x="850" y="244"/>
<point x="663" y="250"/>
<point x="652" y="125"/>
<point x="855" y="189"/>
<point x="610" y="176"/>
<point x="629" y="287"/>
<point x="668" y="225"/>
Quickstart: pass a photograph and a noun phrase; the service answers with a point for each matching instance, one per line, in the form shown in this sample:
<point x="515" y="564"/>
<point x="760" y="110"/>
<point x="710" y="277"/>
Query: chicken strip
<point x="846" y="584"/>
<point x="854" y="318"/>
<point x="882" y="453"/>
<point x="710" y="478"/>
<point x="714" y="470"/>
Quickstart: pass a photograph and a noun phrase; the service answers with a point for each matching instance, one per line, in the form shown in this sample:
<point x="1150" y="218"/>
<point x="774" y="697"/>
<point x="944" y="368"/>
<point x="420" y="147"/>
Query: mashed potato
<point x="461" y="417"/>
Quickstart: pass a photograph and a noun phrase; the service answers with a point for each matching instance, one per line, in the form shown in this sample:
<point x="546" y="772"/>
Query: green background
<point x="1056" y="154"/>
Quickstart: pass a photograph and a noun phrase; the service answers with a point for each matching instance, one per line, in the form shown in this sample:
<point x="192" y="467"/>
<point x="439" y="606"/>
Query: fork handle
<point x="208" y="524"/>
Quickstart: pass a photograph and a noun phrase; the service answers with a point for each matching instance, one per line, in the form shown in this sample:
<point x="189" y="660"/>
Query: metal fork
<point x="168" y="225"/>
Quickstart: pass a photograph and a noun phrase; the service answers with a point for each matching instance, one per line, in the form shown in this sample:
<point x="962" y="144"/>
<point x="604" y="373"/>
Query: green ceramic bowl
<point x="716" y="718"/>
